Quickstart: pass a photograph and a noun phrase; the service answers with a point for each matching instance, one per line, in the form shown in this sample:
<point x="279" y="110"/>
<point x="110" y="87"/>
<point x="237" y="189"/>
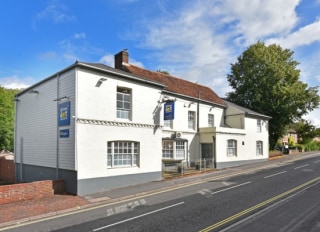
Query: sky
<point x="196" y="40"/>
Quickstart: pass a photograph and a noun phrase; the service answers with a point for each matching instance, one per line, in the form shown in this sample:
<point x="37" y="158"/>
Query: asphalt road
<point x="282" y="198"/>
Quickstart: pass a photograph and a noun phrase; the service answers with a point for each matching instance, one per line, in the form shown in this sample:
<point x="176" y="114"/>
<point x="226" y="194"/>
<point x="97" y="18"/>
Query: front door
<point x="207" y="155"/>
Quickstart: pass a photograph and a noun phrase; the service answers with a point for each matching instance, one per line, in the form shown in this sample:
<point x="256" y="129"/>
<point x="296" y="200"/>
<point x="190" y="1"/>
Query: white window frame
<point x="191" y="120"/>
<point x="210" y="120"/>
<point x="168" y="124"/>
<point x="259" y="148"/>
<point x="231" y="148"/>
<point x="167" y="149"/>
<point x="173" y="149"/>
<point x="259" y="126"/>
<point x="180" y="150"/>
<point x="124" y="102"/>
<point x="123" y="154"/>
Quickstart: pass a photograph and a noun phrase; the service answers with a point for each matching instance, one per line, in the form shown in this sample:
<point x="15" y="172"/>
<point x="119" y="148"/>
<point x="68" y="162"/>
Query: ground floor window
<point x="180" y="149"/>
<point x="231" y="148"/>
<point x="259" y="148"/>
<point x="174" y="149"/>
<point x="123" y="154"/>
<point x="167" y="149"/>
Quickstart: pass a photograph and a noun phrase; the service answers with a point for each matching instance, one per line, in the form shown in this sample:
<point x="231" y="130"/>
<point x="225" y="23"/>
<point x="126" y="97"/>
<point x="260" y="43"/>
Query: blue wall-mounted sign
<point x="64" y="133"/>
<point x="64" y="114"/>
<point x="169" y="110"/>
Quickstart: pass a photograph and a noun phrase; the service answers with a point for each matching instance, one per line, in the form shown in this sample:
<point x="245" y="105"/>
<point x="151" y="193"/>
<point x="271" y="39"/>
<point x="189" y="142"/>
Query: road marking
<point x="279" y="173"/>
<point x="139" y="216"/>
<point x="222" y="190"/>
<point x="302" y="166"/>
<point x="267" y="208"/>
<point x="226" y="183"/>
<point x="60" y="214"/>
<point x="316" y="161"/>
<point x="258" y="206"/>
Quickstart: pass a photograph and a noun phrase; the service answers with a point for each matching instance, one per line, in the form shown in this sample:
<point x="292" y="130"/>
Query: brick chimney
<point x="121" y="57"/>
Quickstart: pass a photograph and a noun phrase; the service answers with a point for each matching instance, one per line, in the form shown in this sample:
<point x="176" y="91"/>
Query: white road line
<point x="316" y="161"/>
<point x="139" y="216"/>
<point x="302" y="166"/>
<point x="231" y="187"/>
<point x="279" y="173"/>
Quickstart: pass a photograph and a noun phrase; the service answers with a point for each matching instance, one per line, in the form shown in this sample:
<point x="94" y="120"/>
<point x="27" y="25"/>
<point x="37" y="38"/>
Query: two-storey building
<point x="99" y="127"/>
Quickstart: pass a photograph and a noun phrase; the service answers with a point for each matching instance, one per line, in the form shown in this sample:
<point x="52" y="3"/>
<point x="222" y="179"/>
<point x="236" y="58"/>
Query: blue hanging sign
<point x="169" y="110"/>
<point x="64" y="133"/>
<point x="64" y="114"/>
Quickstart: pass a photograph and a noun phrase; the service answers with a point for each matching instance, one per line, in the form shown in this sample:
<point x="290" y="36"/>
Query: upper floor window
<point x="259" y="148"/>
<point x="231" y="148"/>
<point x="210" y="120"/>
<point x="123" y="154"/>
<point x="191" y="120"/>
<point x="168" y="123"/>
<point x="123" y="103"/>
<point x="259" y="129"/>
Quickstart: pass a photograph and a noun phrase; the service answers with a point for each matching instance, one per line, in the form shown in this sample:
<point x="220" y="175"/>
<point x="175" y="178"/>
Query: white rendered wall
<point x="182" y="107"/>
<point x="98" y="104"/>
<point x="92" y="150"/>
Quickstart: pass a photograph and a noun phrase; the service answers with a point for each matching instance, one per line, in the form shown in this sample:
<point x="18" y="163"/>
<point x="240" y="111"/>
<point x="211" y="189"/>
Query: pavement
<point x="24" y="211"/>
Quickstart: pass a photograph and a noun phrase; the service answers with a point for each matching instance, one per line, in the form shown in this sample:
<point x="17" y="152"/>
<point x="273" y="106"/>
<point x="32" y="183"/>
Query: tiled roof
<point x="177" y="85"/>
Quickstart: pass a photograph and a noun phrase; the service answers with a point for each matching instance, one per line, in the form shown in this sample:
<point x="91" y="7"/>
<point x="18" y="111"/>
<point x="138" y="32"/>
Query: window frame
<point x="123" y="153"/>
<point x="176" y="149"/>
<point x="168" y="123"/>
<point x="167" y="149"/>
<point x="180" y="149"/>
<point x="232" y="148"/>
<point x="210" y="120"/>
<point x="259" y="125"/>
<point x="259" y="147"/>
<point x="125" y="110"/>
<point x="191" y="120"/>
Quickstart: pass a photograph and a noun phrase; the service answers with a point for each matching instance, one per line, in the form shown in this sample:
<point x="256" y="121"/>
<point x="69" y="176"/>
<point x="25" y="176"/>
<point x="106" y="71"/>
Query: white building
<point x="100" y="128"/>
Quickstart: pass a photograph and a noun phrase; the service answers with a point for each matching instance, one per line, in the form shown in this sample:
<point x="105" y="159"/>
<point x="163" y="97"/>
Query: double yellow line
<point x="246" y="211"/>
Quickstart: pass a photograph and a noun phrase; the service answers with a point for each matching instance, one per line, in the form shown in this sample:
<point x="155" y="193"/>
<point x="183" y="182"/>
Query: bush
<point x="312" y="146"/>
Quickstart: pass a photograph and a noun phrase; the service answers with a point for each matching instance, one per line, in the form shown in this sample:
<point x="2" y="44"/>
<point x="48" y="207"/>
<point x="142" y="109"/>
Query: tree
<point x="7" y="118"/>
<point x="266" y="79"/>
<point x="305" y="130"/>
<point x="163" y="72"/>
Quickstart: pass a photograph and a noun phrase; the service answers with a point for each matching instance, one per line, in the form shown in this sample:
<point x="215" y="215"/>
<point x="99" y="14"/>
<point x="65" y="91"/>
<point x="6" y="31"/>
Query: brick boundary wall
<point x="28" y="191"/>
<point x="7" y="170"/>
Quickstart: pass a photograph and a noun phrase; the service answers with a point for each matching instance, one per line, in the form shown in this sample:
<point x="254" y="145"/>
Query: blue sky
<point x="192" y="39"/>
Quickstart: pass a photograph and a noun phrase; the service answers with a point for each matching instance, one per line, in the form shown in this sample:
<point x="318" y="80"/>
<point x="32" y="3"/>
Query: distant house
<point x="100" y="128"/>
<point x="290" y="133"/>
<point x="316" y="139"/>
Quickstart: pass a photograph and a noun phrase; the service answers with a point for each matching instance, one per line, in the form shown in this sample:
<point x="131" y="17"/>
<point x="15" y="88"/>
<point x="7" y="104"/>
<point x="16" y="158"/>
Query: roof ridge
<point x="177" y="85"/>
<point x="169" y="75"/>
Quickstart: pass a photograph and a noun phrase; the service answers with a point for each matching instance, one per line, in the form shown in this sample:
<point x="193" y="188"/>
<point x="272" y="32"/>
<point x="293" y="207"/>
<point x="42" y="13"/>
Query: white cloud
<point x="15" y="82"/>
<point x="256" y="20"/>
<point x="55" y="12"/>
<point x="314" y="117"/>
<point x="107" y="60"/>
<point x="80" y="35"/>
<point x="304" y="36"/>
<point x="200" y="40"/>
